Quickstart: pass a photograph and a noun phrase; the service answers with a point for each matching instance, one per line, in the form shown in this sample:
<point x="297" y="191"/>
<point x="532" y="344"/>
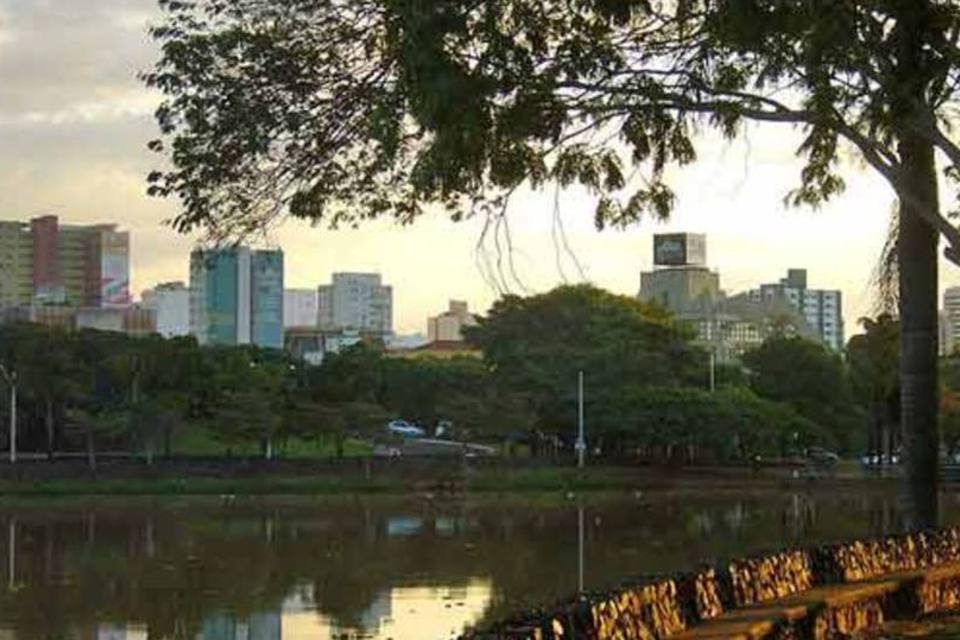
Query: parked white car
<point x="405" y="429"/>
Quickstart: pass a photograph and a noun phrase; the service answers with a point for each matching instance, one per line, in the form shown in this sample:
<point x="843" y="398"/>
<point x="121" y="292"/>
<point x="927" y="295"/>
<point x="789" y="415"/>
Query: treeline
<point x="646" y="389"/>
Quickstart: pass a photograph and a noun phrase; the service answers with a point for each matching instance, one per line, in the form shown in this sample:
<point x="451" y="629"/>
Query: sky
<point x="74" y="123"/>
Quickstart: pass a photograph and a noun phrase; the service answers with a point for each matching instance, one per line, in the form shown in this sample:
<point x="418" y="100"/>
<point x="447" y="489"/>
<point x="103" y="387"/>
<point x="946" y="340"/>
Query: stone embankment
<point x="819" y="592"/>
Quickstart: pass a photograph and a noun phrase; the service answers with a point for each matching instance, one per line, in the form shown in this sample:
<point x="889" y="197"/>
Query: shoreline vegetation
<point x="430" y="478"/>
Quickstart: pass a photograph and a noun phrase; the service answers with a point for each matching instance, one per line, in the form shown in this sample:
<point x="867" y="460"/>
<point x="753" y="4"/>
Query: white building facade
<point x="171" y="303"/>
<point x="950" y="320"/>
<point x="300" y="308"/>
<point x="821" y="308"/>
<point x="357" y="301"/>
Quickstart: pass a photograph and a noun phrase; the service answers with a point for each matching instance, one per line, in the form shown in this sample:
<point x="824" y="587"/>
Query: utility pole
<point x="11" y="377"/>
<point x="581" y="440"/>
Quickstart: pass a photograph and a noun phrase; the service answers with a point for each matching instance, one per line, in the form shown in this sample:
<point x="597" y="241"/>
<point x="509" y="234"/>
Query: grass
<point x="388" y="481"/>
<point x="199" y="442"/>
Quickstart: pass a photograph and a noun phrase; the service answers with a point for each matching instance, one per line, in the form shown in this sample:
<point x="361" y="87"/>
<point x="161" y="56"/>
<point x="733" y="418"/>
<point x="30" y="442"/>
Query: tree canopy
<point x="811" y="379"/>
<point x="339" y="111"/>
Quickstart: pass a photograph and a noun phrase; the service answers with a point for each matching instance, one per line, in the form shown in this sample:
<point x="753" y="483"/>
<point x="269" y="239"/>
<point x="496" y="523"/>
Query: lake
<point x="375" y="567"/>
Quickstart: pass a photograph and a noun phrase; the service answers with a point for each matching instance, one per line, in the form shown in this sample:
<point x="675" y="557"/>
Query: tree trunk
<point x="917" y="263"/>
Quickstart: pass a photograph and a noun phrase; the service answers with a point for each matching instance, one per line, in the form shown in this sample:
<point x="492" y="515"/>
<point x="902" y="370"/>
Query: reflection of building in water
<point x="379" y="611"/>
<point x="404" y="526"/>
<point x="265" y="626"/>
<point x="259" y="626"/>
<point x="409" y="613"/>
<point x="104" y="631"/>
<point x="220" y="626"/>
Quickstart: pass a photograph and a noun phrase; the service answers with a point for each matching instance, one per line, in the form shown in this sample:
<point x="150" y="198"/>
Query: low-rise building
<point x="133" y="320"/>
<point x="170" y="301"/>
<point x="448" y="326"/>
<point x="312" y="344"/>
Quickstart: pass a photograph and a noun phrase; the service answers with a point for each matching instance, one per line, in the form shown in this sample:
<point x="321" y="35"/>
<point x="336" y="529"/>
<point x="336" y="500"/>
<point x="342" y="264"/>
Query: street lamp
<point x="581" y="439"/>
<point x="11" y="378"/>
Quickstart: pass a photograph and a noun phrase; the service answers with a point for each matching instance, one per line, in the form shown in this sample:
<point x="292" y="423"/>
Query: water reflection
<point x="279" y="569"/>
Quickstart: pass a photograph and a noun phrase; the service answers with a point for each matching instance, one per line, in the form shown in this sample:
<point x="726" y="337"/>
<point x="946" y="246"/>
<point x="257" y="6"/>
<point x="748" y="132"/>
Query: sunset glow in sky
<point x="74" y="122"/>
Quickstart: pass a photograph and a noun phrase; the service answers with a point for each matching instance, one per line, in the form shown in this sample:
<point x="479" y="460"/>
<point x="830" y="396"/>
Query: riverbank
<point x="377" y="476"/>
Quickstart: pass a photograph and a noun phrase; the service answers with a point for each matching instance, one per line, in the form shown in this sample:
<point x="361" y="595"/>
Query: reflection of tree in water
<point x="172" y="565"/>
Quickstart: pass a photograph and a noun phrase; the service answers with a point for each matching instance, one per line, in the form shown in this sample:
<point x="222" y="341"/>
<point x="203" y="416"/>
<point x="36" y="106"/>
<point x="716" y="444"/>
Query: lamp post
<point x="10" y="376"/>
<point x="581" y="439"/>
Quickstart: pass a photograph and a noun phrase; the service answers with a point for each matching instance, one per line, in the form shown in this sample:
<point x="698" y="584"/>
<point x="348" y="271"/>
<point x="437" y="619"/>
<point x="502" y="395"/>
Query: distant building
<point x="133" y="320"/>
<point x="236" y="297"/>
<point x="44" y="262"/>
<point x="951" y="319"/>
<point x="357" y="301"/>
<point x="408" y="341"/>
<point x="170" y="301"/>
<point x="300" y="308"/>
<point x="727" y="326"/>
<point x="680" y="281"/>
<point x="441" y="349"/>
<point x="945" y="339"/>
<point x="448" y="326"/>
<point x="822" y="309"/>
<point x="312" y="344"/>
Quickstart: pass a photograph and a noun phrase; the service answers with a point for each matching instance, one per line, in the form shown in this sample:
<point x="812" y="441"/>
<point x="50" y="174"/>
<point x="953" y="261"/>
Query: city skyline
<point x="75" y="134"/>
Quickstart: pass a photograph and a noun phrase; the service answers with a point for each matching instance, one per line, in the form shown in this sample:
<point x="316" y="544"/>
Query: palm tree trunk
<point x="917" y="263"/>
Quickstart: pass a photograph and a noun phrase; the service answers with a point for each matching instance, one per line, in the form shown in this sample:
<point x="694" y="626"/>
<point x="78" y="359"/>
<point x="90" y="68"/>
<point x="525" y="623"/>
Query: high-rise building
<point x="300" y="308"/>
<point x="43" y="262"/>
<point x="358" y="301"/>
<point x="448" y="326"/>
<point x="680" y="282"/>
<point x="951" y="312"/>
<point x="266" y="304"/>
<point x="170" y="301"/>
<point x="236" y="297"/>
<point x="821" y="308"/>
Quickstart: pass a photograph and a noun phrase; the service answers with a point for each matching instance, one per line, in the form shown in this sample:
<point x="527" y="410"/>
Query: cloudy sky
<point x="74" y="122"/>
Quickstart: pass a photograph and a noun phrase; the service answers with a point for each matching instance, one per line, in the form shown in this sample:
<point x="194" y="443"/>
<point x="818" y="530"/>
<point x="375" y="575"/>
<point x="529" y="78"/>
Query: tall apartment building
<point x="236" y="297"/>
<point x="45" y="263"/>
<point x="951" y="319"/>
<point x="358" y="301"/>
<point x="299" y="308"/>
<point x="170" y="301"/>
<point x="821" y="308"/>
<point x="448" y="326"/>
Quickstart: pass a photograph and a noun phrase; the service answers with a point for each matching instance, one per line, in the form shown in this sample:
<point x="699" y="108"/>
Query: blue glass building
<point x="236" y="297"/>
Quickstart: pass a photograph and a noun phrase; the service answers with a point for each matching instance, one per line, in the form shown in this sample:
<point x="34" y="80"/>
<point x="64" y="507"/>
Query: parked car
<point x="819" y="455"/>
<point x="405" y="429"/>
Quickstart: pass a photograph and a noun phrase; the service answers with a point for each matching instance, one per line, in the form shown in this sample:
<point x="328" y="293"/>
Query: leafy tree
<point x="874" y="358"/>
<point x="732" y="423"/>
<point x="538" y="344"/>
<point x="341" y="112"/>
<point x="808" y="377"/>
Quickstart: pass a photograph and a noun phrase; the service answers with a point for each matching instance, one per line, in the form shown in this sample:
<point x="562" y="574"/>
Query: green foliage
<point x="730" y="423"/>
<point x="539" y="344"/>
<point x="809" y="378"/>
<point x="874" y="362"/>
<point x="340" y="112"/>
